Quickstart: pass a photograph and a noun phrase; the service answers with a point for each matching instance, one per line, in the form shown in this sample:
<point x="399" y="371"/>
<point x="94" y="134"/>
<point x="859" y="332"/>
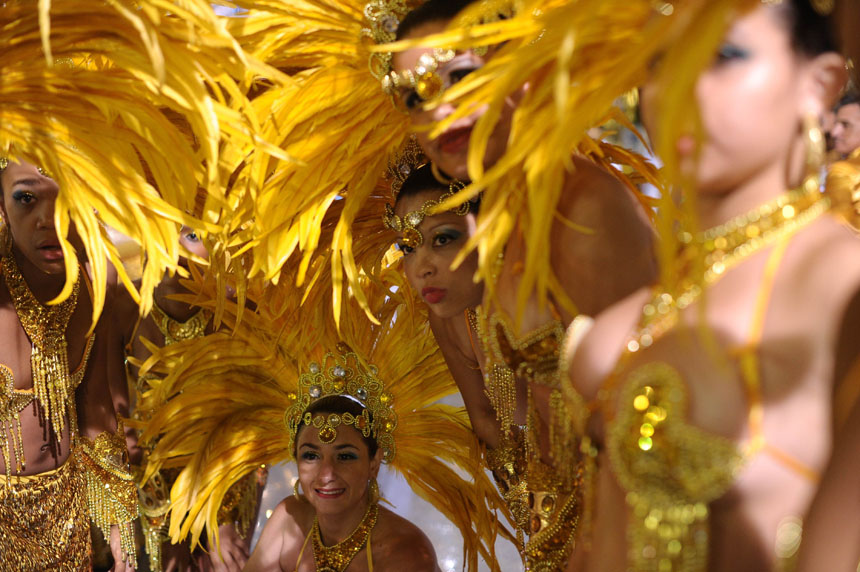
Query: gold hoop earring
<point x="373" y="491"/>
<point x="816" y="152"/>
<point x="437" y="174"/>
<point x="5" y="239"/>
<point x="296" y="492"/>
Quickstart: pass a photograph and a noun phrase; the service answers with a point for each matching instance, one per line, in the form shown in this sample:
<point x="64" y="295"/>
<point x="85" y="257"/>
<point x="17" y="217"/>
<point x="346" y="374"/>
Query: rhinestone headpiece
<point x="4" y="162"/>
<point x="408" y="224"/>
<point x="383" y="17"/>
<point x="410" y="159"/>
<point x="343" y="374"/>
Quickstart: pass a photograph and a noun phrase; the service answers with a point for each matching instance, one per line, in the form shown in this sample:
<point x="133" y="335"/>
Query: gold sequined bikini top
<point x="670" y="469"/>
<point x="13" y="401"/>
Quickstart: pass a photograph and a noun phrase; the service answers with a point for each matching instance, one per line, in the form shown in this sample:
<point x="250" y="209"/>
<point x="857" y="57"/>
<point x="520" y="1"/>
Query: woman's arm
<point x="267" y="554"/>
<point x="831" y="532"/>
<point x="464" y="368"/>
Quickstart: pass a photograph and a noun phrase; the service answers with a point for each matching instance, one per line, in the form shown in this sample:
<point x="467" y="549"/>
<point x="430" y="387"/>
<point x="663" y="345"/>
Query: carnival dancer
<point x="366" y="131"/>
<point x="64" y="459"/>
<point x="712" y="393"/>
<point x="172" y="320"/>
<point x="595" y="267"/>
<point x="248" y="407"/>
<point x="117" y="73"/>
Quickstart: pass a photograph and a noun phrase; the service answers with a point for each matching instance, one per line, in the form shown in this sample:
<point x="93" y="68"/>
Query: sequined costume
<point x="547" y="506"/>
<point x="45" y="518"/>
<point x="670" y="469"/>
<point x="43" y="521"/>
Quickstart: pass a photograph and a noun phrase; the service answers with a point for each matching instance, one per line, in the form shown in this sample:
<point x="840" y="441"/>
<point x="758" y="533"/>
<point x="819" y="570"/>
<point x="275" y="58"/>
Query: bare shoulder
<point x="593" y="354"/>
<point x="400" y="545"/>
<point x="283" y="535"/>
<point x="297" y="515"/>
<point x="828" y="259"/>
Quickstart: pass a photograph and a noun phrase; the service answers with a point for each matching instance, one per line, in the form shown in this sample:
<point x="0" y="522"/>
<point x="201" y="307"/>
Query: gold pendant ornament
<point x="336" y="558"/>
<point x="175" y="331"/>
<point x="46" y="328"/>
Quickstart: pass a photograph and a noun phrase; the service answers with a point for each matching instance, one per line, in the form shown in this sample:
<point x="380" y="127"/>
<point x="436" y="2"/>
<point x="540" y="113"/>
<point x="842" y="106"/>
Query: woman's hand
<point x="233" y="555"/>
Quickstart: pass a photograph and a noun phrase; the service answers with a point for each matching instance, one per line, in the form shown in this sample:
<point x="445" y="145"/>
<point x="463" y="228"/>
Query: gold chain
<point x="46" y="328"/>
<point x="336" y="558"/>
<point x="175" y="331"/>
<point x="724" y="247"/>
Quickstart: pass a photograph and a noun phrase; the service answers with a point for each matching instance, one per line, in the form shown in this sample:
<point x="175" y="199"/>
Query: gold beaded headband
<point x="4" y="162"/>
<point x="410" y="159"/>
<point x="343" y="374"/>
<point x="383" y="18"/>
<point x="408" y="224"/>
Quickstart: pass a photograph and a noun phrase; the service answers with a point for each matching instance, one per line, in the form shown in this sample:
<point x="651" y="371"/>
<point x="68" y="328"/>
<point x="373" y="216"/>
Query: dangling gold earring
<point x="5" y="239"/>
<point x="296" y="492"/>
<point x="816" y="152"/>
<point x="373" y="489"/>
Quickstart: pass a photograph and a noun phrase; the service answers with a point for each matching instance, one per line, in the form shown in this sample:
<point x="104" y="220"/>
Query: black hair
<point x="430" y="11"/>
<point x="850" y="98"/>
<point x="811" y="33"/>
<point x="421" y="180"/>
<point x="339" y="404"/>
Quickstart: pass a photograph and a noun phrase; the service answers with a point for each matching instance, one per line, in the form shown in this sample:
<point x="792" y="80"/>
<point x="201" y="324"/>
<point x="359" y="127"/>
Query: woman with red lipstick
<point x="429" y="249"/>
<point x="713" y="394"/>
<point x="62" y="445"/>
<point x="599" y="250"/>
<point x="333" y="522"/>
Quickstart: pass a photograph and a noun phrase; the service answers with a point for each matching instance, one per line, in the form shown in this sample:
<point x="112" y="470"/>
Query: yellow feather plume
<point x="219" y="410"/>
<point x="86" y="87"/>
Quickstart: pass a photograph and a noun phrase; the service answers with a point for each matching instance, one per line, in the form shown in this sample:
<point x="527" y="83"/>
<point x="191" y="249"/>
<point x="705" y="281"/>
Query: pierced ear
<point x="827" y="78"/>
<point x="375" y="463"/>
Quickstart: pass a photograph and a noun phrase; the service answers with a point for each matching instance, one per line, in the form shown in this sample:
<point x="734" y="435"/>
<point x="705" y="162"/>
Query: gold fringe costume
<point x="221" y="419"/>
<point x="44" y="518"/>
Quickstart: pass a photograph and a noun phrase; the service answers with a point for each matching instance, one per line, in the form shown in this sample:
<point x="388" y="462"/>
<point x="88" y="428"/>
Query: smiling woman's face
<point x="28" y="209"/>
<point x="335" y="476"/>
<point x="450" y="150"/>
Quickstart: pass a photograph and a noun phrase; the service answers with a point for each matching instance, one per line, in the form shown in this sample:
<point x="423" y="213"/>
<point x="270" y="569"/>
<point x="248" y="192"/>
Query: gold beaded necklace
<point x="46" y="328"/>
<point x="336" y="558"/>
<point x="724" y="247"/>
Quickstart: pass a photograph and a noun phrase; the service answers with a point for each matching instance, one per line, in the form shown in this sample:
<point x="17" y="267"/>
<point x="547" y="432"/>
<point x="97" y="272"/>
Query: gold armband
<point x="111" y="490"/>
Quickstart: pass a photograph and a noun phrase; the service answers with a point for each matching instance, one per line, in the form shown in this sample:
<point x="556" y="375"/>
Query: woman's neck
<point x="45" y="287"/>
<point x="179" y="311"/>
<point x="335" y="528"/>
<point x="716" y="209"/>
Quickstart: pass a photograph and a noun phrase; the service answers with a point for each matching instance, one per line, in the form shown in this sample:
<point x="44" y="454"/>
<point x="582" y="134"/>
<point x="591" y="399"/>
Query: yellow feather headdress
<point x="576" y="57"/>
<point x="85" y="86"/>
<point x="220" y="410"/>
